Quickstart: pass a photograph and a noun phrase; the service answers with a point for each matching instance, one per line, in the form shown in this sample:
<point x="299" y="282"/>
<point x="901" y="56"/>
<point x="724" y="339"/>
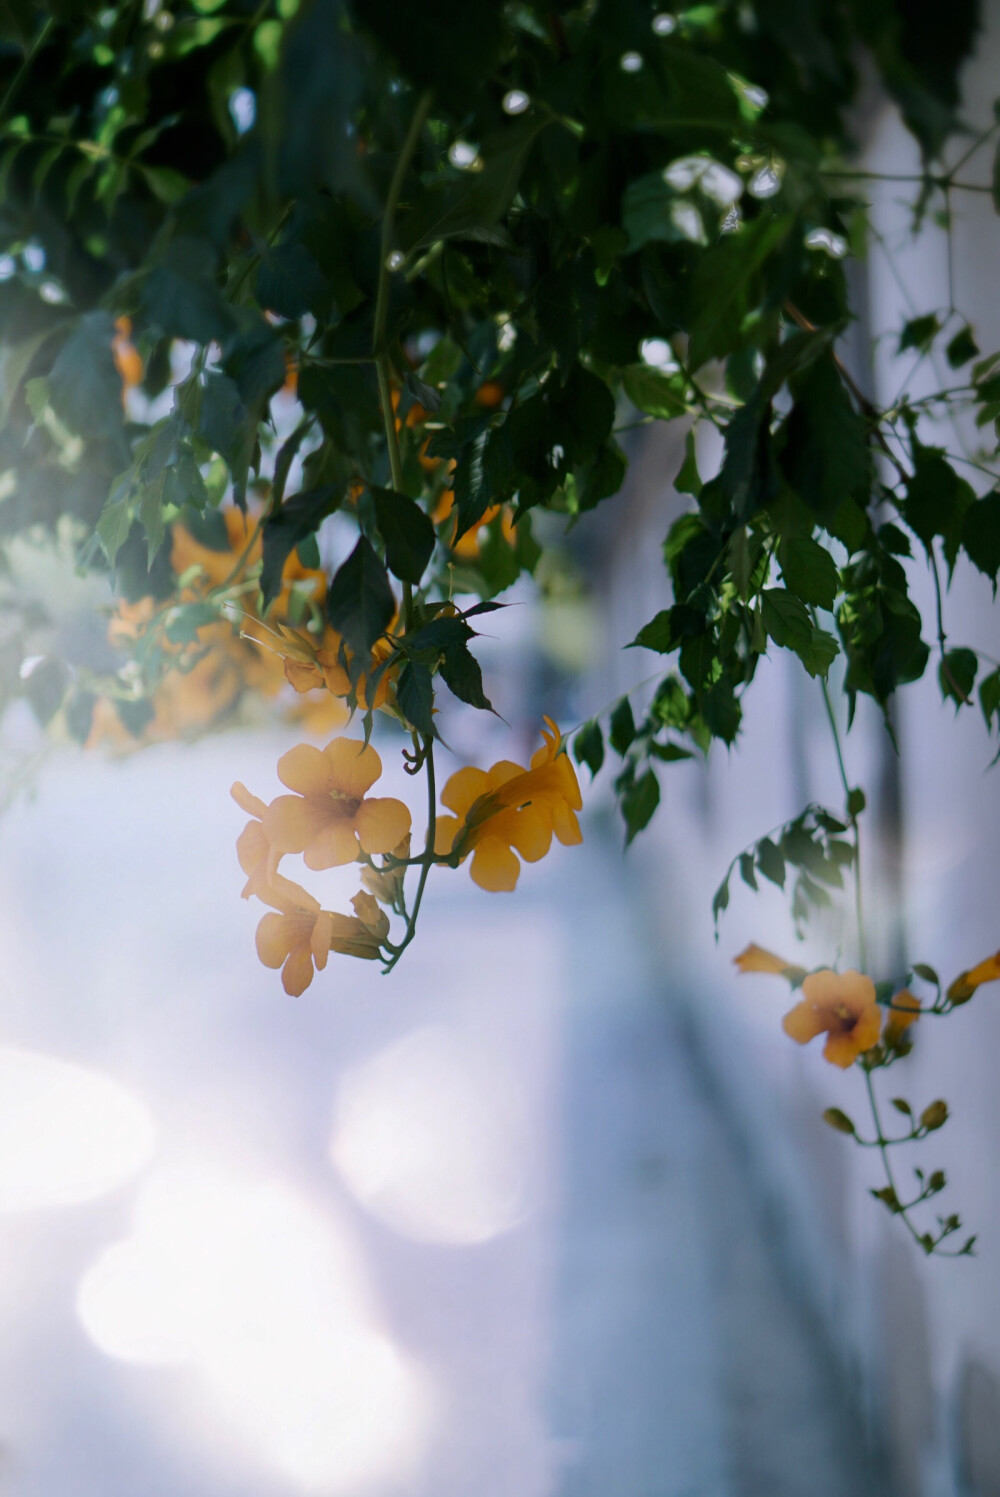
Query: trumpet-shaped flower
<point x="295" y="935"/>
<point x="841" y="1005"/>
<point x="904" y="1010"/>
<point x="966" y="983"/>
<point x="507" y="810"/>
<point x="754" y="958"/>
<point x="330" y="818"/>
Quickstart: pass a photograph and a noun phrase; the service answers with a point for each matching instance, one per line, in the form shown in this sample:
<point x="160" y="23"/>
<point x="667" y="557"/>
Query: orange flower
<point x="966" y="983"/>
<point x="490" y="394"/>
<point x="296" y="935"/>
<point x="904" y="1010"/>
<point x="755" y="959"/>
<point x="329" y="819"/>
<point x="125" y="354"/>
<point x="841" y="1005"/>
<point x="508" y="809"/>
<point x="252" y="846"/>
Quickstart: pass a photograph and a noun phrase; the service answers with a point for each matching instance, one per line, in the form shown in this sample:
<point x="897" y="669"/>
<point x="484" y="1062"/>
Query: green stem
<point x="882" y="1144"/>
<point x="28" y="59"/>
<point x="858" y="902"/>
<point x="411" y="923"/>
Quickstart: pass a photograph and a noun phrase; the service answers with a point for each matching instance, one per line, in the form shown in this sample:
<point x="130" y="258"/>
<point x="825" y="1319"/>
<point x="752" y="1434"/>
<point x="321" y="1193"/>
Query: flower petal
<point x="802" y="1023"/>
<point x="530" y="832"/>
<point x="754" y="958"/>
<point x="290" y="823"/>
<point x="354" y="766"/>
<point x="252" y="847"/>
<point x="251" y="804"/>
<point x="332" y="846"/>
<point x="319" y="942"/>
<point x="272" y="939"/>
<point x="297" y="973"/>
<point x="565" y="824"/>
<point x="446" y="828"/>
<point x="305" y="769"/>
<point x="494" y="867"/>
<point x="465" y="786"/>
<point x="382" y="823"/>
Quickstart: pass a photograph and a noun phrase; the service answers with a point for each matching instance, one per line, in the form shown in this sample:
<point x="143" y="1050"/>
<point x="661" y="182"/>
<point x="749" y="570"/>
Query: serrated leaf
<point x="788" y="624"/>
<point x="809" y="571"/>
<point x="461" y="673"/>
<point x="415" y="695"/>
<point x="290" y="526"/>
<point x="360" y="604"/>
<point x="407" y="531"/>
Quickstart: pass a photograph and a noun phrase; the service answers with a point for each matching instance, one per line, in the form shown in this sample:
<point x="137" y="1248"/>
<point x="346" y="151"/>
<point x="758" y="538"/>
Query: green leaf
<point x="461" y="673"/>
<point x="688" y="480"/>
<point x="721" y="711"/>
<point x="588" y="746"/>
<point x="720" y="902"/>
<point x="936" y="500"/>
<point x="957" y="675"/>
<point x="407" y="532"/>
<point x="981" y="535"/>
<point x="856" y="801"/>
<point x="360" y="604"/>
<point x="639" y="801"/>
<point x="415" y="695"/>
<point x="927" y="973"/>
<point x="788" y="624"/>
<point x="826" y="458"/>
<point x="659" y="634"/>
<point x="771" y="862"/>
<point x="919" y="333"/>
<point x="84" y="386"/>
<point x="809" y="571"/>
<point x="962" y="348"/>
<point x="621" y="727"/>
<point x="989" y="697"/>
<point x="114" y="524"/>
<point x="295" y="520"/>
<point x="655" y="393"/>
<point x="290" y="282"/>
<point x="839" y="1121"/>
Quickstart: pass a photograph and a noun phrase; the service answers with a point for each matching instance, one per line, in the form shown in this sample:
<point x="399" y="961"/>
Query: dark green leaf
<point x="919" y="333"/>
<point x="360" y="604"/>
<point x="407" y="532"/>
<point x="639" y="801"/>
<point x="809" y="571"/>
<point x="588" y="746"/>
<point x="788" y="623"/>
<point x="621" y="727"/>
<point x="659" y="634"/>
<point x="981" y="535"/>
<point x="962" y="348"/>
<point x="461" y="673"/>
<point x="657" y="394"/>
<point x="296" y="519"/>
<point x="415" y="695"/>
<point x="771" y="862"/>
<point x="957" y="675"/>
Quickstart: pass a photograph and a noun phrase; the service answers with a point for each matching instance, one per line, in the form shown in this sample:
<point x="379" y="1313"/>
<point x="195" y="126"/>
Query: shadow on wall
<point x="979" y="1429"/>
<point x="909" y="1390"/>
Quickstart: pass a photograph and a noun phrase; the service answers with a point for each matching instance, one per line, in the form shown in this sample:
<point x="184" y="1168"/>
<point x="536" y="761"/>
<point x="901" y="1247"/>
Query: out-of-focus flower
<point x="384" y="884"/>
<point x="125" y="354"/>
<point x="966" y="983"/>
<point x="252" y="846"/>
<point x="296" y="935"/>
<point x="508" y="810"/>
<point x="904" y="1010"/>
<point x="841" y="1005"/>
<point x="329" y="818"/>
<point x="754" y="958"/>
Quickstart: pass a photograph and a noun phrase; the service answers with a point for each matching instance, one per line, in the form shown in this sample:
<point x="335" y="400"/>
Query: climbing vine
<point x="310" y="308"/>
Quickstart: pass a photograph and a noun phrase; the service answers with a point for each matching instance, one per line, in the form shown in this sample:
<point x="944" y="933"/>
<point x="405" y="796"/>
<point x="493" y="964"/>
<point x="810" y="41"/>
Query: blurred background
<point x="552" y="1210"/>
